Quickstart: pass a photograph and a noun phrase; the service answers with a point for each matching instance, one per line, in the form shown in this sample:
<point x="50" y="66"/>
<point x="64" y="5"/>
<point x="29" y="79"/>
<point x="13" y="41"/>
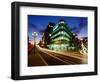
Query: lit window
<point x="49" y="34"/>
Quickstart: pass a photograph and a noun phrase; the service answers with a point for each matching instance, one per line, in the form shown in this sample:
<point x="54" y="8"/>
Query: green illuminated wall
<point x="60" y="37"/>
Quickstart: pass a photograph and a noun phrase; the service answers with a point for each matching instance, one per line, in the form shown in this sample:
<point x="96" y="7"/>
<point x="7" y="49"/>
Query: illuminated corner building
<point x="60" y="37"/>
<point x="47" y="34"/>
<point x="85" y="41"/>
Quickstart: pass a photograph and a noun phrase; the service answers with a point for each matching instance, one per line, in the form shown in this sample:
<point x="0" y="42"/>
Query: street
<point x="44" y="57"/>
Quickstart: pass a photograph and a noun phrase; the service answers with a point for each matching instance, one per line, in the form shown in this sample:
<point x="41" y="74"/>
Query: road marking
<point x="57" y="58"/>
<point x="70" y="61"/>
<point x="59" y="53"/>
<point x="51" y="54"/>
<point x="42" y="59"/>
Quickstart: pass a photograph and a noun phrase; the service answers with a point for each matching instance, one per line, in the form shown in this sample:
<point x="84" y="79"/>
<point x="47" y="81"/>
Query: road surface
<point x="44" y="57"/>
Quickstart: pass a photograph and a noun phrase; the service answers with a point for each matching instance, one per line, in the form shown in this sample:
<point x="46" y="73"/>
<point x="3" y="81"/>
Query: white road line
<point x="42" y="59"/>
<point x="56" y="58"/>
<point x="49" y="53"/>
<point x="81" y="59"/>
<point x="70" y="61"/>
<point x="58" y="53"/>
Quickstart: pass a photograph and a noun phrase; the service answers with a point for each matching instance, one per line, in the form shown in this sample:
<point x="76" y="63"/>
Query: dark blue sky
<point x="38" y="23"/>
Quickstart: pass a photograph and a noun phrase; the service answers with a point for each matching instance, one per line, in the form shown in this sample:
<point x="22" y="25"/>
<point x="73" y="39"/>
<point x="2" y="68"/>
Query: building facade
<point x="60" y="37"/>
<point x="46" y="35"/>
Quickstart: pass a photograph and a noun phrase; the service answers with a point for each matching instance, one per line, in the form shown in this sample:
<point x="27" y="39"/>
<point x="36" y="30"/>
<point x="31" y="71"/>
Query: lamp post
<point x="34" y="35"/>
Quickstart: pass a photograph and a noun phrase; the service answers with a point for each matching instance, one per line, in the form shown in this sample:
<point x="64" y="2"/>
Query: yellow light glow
<point x="49" y="34"/>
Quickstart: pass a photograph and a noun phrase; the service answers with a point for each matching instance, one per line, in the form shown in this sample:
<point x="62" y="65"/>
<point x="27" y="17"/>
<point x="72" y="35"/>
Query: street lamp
<point x="34" y="34"/>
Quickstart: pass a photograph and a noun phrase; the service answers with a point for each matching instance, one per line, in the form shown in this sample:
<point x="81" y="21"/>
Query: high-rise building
<point x="60" y="37"/>
<point x="47" y="34"/>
